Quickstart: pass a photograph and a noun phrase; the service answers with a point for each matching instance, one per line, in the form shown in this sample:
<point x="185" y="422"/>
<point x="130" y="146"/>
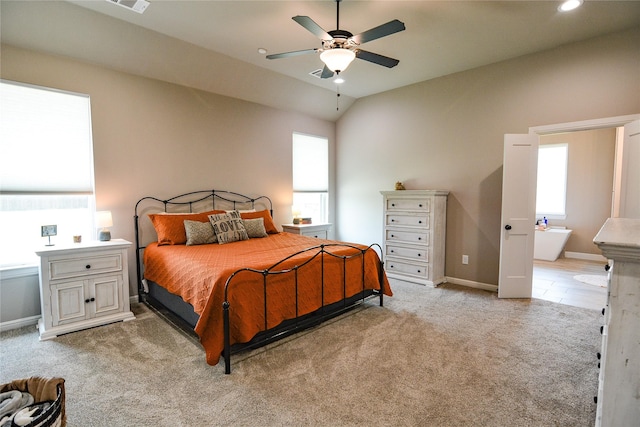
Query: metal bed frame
<point x="181" y="313"/>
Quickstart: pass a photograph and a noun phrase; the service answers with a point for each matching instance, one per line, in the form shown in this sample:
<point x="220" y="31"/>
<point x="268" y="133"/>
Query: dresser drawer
<point x="419" y="254"/>
<point x="418" y="270"/>
<point x="408" y="220"/>
<point x="84" y="265"/>
<point x="408" y="204"/>
<point x="421" y="237"/>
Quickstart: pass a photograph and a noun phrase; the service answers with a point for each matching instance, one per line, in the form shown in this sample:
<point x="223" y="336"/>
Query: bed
<point x="217" y="265"/>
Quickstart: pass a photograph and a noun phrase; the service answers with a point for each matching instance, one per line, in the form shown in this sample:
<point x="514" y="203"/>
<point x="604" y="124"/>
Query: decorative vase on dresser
<point x="83" y="286"/>
<point x="414" y="235"/>
<point x="618" y="400"/>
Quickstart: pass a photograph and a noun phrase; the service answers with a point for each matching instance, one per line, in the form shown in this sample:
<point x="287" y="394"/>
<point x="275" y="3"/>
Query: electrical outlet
<point x="465" y="259"/>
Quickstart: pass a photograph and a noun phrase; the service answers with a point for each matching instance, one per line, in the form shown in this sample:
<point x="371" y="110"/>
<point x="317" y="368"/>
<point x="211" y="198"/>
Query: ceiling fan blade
<point x="326" y="73"/>
<point x="385" y="61"/>
<point x="289" y="54"/>
<point x="383" y="30"/>
<point x="311" y="26"/>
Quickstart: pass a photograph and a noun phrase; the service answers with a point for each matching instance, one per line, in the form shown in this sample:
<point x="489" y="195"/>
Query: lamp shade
<point x="337" y="59"/>
<point x="103" y="219"/>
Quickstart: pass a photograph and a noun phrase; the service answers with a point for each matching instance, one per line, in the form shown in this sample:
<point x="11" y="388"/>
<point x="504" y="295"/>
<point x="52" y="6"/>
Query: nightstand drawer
<point x="407" y="236"/>
<point x="85" y="265"/>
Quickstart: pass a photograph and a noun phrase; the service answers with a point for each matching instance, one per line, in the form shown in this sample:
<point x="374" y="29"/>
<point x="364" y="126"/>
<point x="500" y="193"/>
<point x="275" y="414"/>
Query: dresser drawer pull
<point x="419" y="238"/>
<point x="391" y="251"/>
<point x="598" y="355"/>
<point x="419" y="271"/>
<point x="601" y="329"/>
<point x="88" y="300"/>
<point x="393" y="220"/>
<point x="88" y="266"/>
<point x="420" y="222"/>
<point x="393" y="235"/>
<point x="393" y="204"/>
<point x="391" y="266"/>
<point x="419" y="254"/>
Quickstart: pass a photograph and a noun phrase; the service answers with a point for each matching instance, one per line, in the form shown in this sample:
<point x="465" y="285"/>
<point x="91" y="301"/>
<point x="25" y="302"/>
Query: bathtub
<point x="549" y="244"/>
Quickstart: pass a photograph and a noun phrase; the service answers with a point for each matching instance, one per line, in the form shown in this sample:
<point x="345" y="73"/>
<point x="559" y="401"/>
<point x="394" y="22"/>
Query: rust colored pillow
<point x="170" y="227"/>
<point x="268" y="221"/>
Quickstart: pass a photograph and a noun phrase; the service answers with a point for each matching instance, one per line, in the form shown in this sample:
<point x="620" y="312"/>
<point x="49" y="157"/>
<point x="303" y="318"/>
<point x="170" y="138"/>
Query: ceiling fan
<point x="340" y="47"/>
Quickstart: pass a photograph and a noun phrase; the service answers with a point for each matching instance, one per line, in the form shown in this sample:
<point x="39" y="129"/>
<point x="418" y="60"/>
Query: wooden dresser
<point x="414" y="235"/>
<point x="618" y="400"/>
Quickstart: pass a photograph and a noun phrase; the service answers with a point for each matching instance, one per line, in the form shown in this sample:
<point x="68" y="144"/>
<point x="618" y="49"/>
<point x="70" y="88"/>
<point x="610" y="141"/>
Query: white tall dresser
<point x="618" y="400"/>
<point x="414" y="235"/>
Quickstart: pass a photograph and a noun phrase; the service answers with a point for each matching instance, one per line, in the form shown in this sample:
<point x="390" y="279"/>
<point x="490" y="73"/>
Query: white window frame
<point x="47" y="134"/>
<point x="310" y="165"/>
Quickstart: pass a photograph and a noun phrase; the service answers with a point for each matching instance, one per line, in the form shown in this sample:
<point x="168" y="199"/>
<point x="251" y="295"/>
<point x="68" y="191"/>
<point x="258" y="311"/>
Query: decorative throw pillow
<point x="228" y="227"/>
<point x="199" y="233"/>
<point x="268" y="221"/>
<point x="255" y="227"/>
<point x="170" y="227"/>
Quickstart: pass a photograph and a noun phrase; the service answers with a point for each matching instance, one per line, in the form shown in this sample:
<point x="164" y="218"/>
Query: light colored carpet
<point x="592" y="279"/>
<point x="450" y="356"/>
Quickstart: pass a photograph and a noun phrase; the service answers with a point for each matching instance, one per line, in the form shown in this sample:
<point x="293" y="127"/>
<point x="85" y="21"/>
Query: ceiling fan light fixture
<point x="569" y="5"/>
<point x="337" y="59"/>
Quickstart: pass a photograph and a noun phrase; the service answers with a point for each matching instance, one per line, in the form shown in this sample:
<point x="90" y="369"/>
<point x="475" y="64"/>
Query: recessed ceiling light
<point x="262" y="51"/>
<point x="570" y="5"/>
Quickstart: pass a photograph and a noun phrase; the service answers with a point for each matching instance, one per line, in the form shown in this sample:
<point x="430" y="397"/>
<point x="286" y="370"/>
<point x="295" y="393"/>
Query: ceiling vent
<point x="316" y="73"/>
<point x="135" y="5"/>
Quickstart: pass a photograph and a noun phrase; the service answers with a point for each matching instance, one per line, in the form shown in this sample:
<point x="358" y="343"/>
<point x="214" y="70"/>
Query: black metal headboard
<point x="192" y="202"/>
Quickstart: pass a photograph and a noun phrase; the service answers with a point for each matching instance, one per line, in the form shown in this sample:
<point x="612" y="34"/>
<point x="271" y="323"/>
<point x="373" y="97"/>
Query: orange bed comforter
<point x="198" y="274"/>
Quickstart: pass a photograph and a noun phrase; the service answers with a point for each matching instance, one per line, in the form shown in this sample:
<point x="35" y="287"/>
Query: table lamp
<point x="103" y="221"/>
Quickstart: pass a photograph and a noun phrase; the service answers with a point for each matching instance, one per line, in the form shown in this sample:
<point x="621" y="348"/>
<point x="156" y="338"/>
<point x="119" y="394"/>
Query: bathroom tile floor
<point x="553" y="281"/>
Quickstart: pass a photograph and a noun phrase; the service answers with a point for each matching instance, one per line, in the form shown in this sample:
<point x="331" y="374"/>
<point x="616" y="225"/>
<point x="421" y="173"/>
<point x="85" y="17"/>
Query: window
<point x="311" y="178"/>
<point x="46" y="169"/>
<point x="552" y="181"/>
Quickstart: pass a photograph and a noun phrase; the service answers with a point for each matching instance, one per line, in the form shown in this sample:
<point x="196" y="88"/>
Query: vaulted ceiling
<point x="213" y="45"/>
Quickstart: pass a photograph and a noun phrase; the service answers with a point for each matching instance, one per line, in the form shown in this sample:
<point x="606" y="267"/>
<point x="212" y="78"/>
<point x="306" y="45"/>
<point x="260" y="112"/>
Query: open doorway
<point x="583" y="203"/>
<point x="519" y="187"/>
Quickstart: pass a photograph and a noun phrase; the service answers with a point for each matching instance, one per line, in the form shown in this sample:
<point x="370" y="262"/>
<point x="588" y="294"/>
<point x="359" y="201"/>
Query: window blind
<point x="310" y="163"/>
<point x="45" y="141"/>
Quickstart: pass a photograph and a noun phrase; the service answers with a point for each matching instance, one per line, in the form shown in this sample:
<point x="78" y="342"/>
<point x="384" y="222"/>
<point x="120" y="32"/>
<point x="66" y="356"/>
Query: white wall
<point x="447" y="134"/>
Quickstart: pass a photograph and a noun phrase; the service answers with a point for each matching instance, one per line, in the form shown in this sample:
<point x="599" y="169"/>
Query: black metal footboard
<point x="305" y="321"/>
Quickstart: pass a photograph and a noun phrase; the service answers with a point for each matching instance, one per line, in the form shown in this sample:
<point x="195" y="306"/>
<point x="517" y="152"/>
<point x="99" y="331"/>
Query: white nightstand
<point x="82" y="286"/>
<point x="319" y="231"/>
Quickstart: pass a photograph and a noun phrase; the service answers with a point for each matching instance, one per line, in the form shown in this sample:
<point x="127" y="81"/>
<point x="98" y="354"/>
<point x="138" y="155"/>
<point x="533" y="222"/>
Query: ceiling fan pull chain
<point x="337" y="98"/>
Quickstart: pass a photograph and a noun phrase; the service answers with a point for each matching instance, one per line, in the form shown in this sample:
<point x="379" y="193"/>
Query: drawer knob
<point x="88" y="300"/>
<point x="603" y="311"/>
<point x="601" y="329"/>
<point x="420" y="205"/>
<point x="393" y="235"/>
<point x="420" y="222"/>
<point x="419" y="254"/>
<point x="598" y="355"/>
<point x="391" y="266"/>
<point x="418" y="271"/>
<point x="419" y="238"/>
<point x="393" y="204"/>
<point x="607" y="267"/>
<point x="393" y="220"/>
<point x="88" y="266"/>
<point x="391" y="251"/>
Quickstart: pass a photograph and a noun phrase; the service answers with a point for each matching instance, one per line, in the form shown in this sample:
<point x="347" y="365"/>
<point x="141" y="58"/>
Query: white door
<point x="519" y="175"/>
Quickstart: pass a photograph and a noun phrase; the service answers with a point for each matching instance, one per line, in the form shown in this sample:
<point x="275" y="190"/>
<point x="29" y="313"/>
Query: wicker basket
<point x="43" y="389"/>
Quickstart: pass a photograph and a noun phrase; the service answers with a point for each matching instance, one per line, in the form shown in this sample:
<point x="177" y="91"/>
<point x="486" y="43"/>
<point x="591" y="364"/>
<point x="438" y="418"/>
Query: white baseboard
<point x="473" y="284"/>
<point x="19" y="323"/>
<point x="585" y="256"/>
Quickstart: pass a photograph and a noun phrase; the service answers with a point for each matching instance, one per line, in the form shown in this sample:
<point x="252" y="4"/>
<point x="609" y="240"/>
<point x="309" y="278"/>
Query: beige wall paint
<point x="448" y="133"/>
<point x="158" y="139"/>
<point x="589" y="184"/>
